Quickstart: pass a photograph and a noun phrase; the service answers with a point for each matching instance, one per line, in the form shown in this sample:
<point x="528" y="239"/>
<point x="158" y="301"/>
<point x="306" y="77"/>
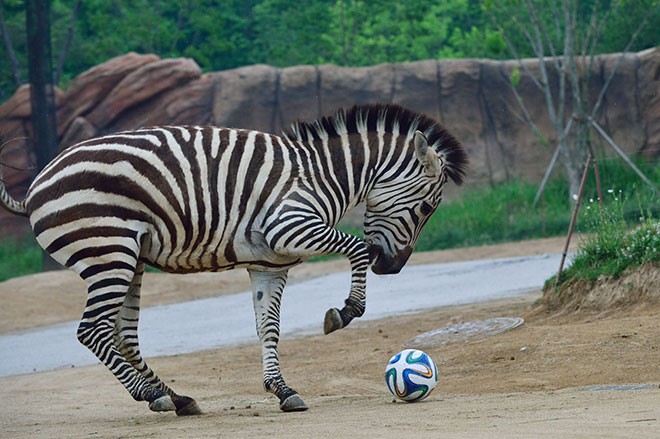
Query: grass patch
<point x="505" y="213"/>
<point x="615" y="248"/>
<point x="19" y="257"/>
<point x="501" y="214"/>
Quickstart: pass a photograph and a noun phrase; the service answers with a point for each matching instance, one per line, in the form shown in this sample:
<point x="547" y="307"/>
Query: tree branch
<point x="601" y="95"/>
<point x="515" y="54"/>
<point x="539" y="25"/>
<point x="596" y="27"/>
<point x="569" y="54"/>
<point x="67" y="42"/>
<point x="552" y="162"/>
<point x="537" y="46"/>
<point x="10" y="50"/>
<point x="523" y="107"/>
<point x="592" y="27"/>
<point x="557" y="19"/>
<point x="601" y="24"/>
<point x="623" y="155"/>
<point x="512" y="110"/>
<point x="547" y="88"/>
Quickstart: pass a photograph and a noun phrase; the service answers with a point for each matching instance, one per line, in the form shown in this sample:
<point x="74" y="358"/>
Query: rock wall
<point x="470" y="97"/>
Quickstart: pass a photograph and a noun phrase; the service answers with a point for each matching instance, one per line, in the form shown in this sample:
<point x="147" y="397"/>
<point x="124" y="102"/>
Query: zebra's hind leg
<point x="108" y="277"/>
<point x="266" y="296"/>
<point x="126" y="339"/>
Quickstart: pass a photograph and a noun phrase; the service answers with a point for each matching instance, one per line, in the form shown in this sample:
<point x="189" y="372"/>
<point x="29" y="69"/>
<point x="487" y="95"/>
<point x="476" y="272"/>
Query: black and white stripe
<point x="189" y="199"/>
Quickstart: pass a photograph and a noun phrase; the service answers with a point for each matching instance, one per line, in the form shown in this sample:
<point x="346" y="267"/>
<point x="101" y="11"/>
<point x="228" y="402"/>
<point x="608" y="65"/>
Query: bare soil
<point x="527" y="382"/>
<point x="606" y="295"/>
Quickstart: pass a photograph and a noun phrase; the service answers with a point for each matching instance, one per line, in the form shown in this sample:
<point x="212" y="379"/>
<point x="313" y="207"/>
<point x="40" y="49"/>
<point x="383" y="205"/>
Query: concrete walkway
<point x="229" y="320"/>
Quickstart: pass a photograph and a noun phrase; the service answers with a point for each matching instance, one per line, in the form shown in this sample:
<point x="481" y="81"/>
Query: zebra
<point x="187" y="199"/>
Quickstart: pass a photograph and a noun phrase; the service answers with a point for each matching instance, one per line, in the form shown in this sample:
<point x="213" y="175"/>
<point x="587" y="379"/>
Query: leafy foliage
<point x="232" y="33"/>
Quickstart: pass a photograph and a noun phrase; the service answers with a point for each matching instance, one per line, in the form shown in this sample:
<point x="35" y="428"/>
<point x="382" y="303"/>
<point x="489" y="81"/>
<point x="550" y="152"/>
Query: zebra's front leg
<point x="358" y="255"/>
<point x="266" y="296"/>
<point x="320" y="239"/>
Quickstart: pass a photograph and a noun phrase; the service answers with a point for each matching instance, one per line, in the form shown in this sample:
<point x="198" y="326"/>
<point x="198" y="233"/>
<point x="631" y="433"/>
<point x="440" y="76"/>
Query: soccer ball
<point x="411" y="375"/>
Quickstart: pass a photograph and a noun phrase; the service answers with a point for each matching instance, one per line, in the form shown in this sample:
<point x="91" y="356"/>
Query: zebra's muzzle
<point x="384" y="263"/>
<point x="374" y="252"/>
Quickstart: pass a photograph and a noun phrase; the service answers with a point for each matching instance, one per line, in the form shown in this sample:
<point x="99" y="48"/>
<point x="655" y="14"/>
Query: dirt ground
<point x="528" y="382"/>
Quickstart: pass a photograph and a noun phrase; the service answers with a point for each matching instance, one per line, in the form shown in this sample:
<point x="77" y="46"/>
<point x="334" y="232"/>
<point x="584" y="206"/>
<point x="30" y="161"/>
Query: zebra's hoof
<point x="162" y="404"/>
<point x="186" y="406"/>
<point x="332" y="321"/>
<point x="293" y="403"/>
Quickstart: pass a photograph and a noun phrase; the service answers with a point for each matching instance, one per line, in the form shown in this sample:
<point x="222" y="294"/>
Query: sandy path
<point x="488" y="388"/>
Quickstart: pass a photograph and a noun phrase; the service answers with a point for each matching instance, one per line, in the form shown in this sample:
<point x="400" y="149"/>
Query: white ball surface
<point x="411" y="375"/>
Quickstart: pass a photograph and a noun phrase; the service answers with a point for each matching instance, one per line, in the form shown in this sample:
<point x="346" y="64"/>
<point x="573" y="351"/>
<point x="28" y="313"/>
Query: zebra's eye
<point x="426" y="208"/>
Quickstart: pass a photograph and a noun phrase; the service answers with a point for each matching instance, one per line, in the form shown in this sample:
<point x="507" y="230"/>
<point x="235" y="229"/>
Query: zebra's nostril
<point x="383" y="263"/>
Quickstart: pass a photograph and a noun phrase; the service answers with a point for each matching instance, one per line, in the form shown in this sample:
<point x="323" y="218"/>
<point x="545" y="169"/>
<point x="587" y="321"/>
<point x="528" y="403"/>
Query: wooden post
<point x="42" y="91"/>
<point x="575" y="212"/>
<point x="600" y="191"/>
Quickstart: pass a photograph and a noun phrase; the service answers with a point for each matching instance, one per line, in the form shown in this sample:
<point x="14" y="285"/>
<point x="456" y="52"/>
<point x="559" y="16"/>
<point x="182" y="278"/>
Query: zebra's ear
<point x="427" y="156"/>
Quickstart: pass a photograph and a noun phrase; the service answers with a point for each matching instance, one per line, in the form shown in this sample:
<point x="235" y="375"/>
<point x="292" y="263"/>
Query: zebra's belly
<point x="251" y="253"/>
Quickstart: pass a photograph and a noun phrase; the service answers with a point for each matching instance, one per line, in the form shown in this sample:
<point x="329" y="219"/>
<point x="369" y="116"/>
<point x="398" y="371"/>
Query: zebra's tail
<point x="7" y="201"/>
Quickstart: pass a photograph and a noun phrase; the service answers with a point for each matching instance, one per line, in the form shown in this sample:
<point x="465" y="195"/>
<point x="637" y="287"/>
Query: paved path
<point x="229" y="320"/>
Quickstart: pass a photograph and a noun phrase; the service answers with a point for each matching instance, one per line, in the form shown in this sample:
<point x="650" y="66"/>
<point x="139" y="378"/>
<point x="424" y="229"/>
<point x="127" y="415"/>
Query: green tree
<point x="223" y="34"/>
<point x="366" y="33"/>
<point x="564" y="36"/>
<point x="286" y="34"/>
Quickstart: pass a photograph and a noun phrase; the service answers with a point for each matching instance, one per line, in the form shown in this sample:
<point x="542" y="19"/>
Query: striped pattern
<point x="189" y="199"/>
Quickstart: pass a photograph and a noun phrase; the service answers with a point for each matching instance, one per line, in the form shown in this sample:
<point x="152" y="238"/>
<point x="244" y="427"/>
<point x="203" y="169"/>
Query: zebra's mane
<point x="385" y="117"/>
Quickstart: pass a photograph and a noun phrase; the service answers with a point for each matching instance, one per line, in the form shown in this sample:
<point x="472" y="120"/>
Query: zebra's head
<point x="399" y="206"/>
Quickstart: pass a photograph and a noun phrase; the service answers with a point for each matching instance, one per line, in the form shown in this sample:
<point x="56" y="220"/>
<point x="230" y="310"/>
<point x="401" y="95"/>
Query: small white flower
<point x="575" y="197"/>
<point x="591" y="200"/>
<point x="610" y="191"/>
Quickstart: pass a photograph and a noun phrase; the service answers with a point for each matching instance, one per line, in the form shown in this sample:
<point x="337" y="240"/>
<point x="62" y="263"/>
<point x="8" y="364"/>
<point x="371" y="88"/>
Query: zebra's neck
<point x="344" y="168"/>
<point x="370" y="146"/>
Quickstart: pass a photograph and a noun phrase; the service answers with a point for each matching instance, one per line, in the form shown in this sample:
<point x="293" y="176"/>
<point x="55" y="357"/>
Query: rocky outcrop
<point x="89" y="89"/>
<point x="471" y="97"/>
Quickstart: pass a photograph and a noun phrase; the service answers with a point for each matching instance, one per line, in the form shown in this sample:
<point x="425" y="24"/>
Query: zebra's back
<point x="193" y="197"/>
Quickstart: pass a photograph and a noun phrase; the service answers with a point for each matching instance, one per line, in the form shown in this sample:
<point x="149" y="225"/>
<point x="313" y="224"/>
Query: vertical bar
<point x="575" y="212"/>
<point x="600" y="191"/>
<point x="42" y="92"/>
